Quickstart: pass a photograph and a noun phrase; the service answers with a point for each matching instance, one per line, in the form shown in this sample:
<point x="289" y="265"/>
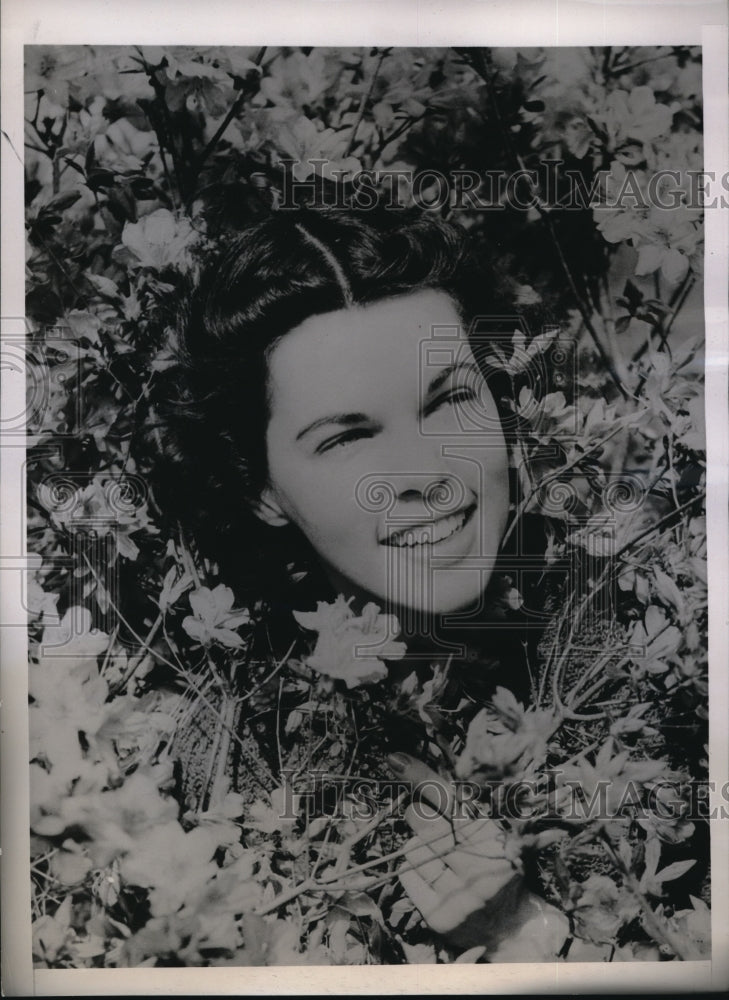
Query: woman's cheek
<point x="333" y="514"/>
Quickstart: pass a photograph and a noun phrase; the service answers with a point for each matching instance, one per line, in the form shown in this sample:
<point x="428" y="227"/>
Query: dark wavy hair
<point x="256" y="286"/>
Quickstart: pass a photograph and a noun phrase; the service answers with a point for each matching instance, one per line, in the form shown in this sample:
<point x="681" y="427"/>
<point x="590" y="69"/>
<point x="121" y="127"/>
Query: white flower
<point x="160" y="239"/>
<point x="344" y="640"/>
<point x="215" y="618"/>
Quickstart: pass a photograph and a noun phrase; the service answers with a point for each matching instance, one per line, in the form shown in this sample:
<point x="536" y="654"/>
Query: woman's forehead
<point x="377" y="345"/>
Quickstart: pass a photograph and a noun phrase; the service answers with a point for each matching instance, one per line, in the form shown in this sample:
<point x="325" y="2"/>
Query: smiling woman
<point x="442" y="505"/>
<point x="329" y="388"/>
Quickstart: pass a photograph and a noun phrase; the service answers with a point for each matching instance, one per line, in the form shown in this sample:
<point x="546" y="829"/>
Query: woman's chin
<point x="419" y="604"/>
<point x="448" y="592"/>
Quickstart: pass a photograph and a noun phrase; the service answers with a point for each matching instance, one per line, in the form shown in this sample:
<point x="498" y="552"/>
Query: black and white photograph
<point x="364" y="505"/>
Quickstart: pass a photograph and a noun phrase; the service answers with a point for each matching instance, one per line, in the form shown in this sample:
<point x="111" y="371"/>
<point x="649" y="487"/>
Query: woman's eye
<point x="342" y="439"/>
<point x="461" y="395"/>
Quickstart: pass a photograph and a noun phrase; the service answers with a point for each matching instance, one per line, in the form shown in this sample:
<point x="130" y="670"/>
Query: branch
<point x="232" y="112"/>
<point x="676" y="303"/>
<point x="581" y="305"/>
<point x="363" y="104"/>
<point x="164" y="119"/>
<point x="484" y="68"/>
<point x="660" y="524"/>
<point x="618" y="70"/>
<point x="555" y="476"/>
<point x="656" y="925"/>
<point x="138" y="660"/>
<point x="178" y="668"/>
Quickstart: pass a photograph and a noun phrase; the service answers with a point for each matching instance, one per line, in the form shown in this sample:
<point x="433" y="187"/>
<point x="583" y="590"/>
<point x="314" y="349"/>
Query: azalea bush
<point x="148" y="676"/>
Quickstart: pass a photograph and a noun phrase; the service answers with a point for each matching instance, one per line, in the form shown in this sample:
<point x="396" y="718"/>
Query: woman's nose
<point x="437" y="493"/>
<point x="428" y="474"/>
<point x="415" y="478"/>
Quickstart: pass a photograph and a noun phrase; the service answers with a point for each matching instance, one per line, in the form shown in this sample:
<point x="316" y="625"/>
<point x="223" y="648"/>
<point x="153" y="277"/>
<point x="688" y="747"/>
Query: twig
<point x="138" y="660"/>
<point x="575" y="703"/>
<point x="657" y="927"/>
<point x="188" y="561"/>
<point x="278" y="726"/>
<point x="232" y="112"/>
<point x="671" y="468"/>
<point x="660" y="524"/>
<point x="598" y="665"/>
<point x="487" y="73"/>
<point x="166" y="120"/>
<point x="178" y="668"/>
<point x="334" y="880"/>
<point x="604" y="356"/>
<point x="676" y="303"/>
<point x="678" y="299"/>
<point x="617" y="70"/>
<point x="575" y="622"/>
<point x="269" y="677"/>
<point x="346" y="846"/>
<point x="398" y="131"/>
<point x="363" y="105"/>
<point x="555" y="475"/>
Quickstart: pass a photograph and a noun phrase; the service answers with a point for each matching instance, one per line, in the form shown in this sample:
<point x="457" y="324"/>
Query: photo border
<point x="512" y="23"/>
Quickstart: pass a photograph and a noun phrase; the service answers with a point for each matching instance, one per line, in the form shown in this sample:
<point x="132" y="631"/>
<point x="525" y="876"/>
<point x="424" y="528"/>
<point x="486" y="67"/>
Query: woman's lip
<point x="424" y="526"/>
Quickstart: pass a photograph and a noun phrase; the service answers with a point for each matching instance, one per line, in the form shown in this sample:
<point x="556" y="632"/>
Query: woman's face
<point x="386" y="451"/>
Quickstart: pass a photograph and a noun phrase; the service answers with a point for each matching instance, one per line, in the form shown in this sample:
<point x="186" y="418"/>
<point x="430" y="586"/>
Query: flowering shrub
<point x="137" y="158"/>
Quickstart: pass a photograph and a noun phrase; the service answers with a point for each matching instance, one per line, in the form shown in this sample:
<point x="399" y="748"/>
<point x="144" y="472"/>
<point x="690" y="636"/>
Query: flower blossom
<point x="159" y="240"/>
<point x="636" y="115"/>
<point x="302" y="141"/>
<point x="214" y="617"/>
<point x="505" y="738"/>
<point x="108" y="505"/>
<point x="343" y="641"/>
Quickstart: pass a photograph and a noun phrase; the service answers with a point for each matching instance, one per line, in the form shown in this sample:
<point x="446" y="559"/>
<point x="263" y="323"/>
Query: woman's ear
<point x="268" y="509"/>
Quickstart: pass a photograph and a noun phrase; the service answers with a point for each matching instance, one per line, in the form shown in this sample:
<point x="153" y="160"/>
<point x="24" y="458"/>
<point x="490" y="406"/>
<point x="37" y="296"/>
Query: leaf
<point x="626" y="854"/>
<point x="104" y="286"/>
<point x="262" y="817"/>
<point x="51" y="934"/>
<point x="668" y="590"/>
<point x="419" y="954"/>
<point x="633" y="295"/>
<point x="90" y="948"/>
<point x="665" y="644"/>
<point x="655" y="620"/>
<point x="61" y="201"/>
<point x="674" y="871"/>
<point x="62" y="915"/>
<point x="293" y="722"/>
<point x="652" y="855"/>
<point x="674" y="266"/>
<point x="399" y="911"/>
<point x="649" y="259"/>
<point x="49" y="826"/>
<point x="470" y="956"/>
<point x="359" y="904"/>
<point x="70" y="868"/>
<point x="232" y="806"/>
<point x="317" y="826"/>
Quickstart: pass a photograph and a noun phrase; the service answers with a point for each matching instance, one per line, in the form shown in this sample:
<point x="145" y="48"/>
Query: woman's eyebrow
<point x="341" y="419"/>
<point x="442" y="376"/>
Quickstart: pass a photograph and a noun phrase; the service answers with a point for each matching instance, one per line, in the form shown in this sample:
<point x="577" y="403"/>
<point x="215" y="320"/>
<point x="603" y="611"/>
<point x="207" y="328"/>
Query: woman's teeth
<point x="429" y="534"/>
